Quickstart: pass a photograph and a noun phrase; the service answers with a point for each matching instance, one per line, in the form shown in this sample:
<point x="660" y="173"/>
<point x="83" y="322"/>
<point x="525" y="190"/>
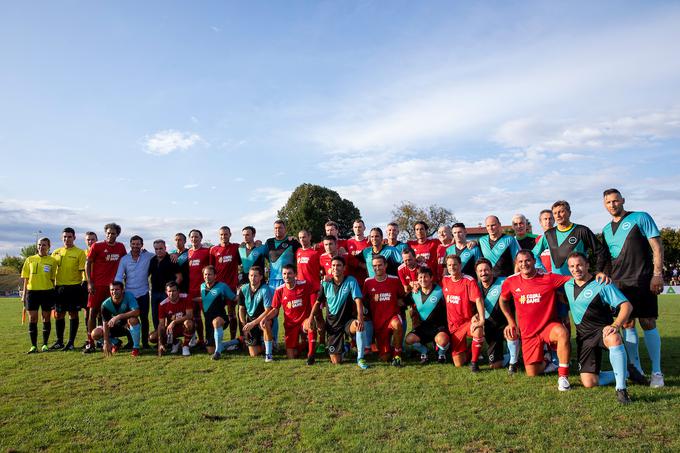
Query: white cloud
<point x="167" y="141"/>
<point x="273" y="198"/>
<point x="190" y="186"/>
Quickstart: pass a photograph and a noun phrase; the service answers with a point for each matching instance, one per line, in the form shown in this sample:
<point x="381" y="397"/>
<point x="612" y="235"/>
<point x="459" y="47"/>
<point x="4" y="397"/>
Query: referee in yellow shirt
<point x="39" y="273"/>
<point x="70" y="294"/>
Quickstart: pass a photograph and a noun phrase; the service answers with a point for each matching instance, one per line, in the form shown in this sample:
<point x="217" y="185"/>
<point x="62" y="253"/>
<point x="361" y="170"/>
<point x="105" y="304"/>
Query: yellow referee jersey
<point x="40" y="272"/>
<point x="70" y="265"/>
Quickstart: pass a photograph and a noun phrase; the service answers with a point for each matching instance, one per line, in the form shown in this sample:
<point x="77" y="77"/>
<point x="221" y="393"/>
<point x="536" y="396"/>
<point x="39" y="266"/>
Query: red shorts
<point x="382" y="335"/>
<point x="459" y="338"/>
<point x="101" y="293"/>
<point x="292" y="335"/>
<point x="532" y="347"/>
<point x="178" y="330"/>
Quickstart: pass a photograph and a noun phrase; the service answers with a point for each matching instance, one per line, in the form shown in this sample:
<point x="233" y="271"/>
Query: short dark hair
<point x="611" y="191"/>
<point x="339" y="258"/>
<point x="182" y="235"/>
<point x="69" y="230"/>
<point x="359" y="221"/>
<point x="378" y="230"/>
<point x="136" y="238"/>
<point x="329" y="237"/>
<point x="331" y="223"/>
<point x="545" y="211"/>
<point x="454" y="257"/>
<point x="425" y="271"/>
<point x="421" y="222"/>
<point x="113" y="226"/>
<point x="91" y="233"/>
<point x="117" y="283"/>
<point x="249" y="228"/>
<point x="483" y="261"/>
<point x="458" y="225"/>
<point x="394" y="224"/>
<point x="378" y="256"/>
<point x="289" y="267"/>
<point x="279" y="222"/>
<point x="408" y="250"/>
<point x="526" y="252"/>
<point x="171" y="284"/>
<point x="225" y="228"/>
<point x="577" y="255"/>
<point x="562" y="203"/>
<point x="209" y="267"/>
<point x="198" y="231"/>
<point x="257" y="269"/>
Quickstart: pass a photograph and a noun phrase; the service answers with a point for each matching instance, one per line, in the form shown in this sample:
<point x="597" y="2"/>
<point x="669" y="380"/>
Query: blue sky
<point x="167" y="116"/>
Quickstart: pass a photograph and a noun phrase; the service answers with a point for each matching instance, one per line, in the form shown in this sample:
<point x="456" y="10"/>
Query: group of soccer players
<point x="501" y="290"/>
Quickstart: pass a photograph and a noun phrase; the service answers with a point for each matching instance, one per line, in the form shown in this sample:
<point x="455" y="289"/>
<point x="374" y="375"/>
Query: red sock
<point x="476" y="348"/>
<point x="187" y="339"/>
<point x="563" y="370"/>
<point x="311" y="342"/>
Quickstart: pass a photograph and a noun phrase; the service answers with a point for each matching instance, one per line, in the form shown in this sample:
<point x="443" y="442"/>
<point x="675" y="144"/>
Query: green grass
<point x="67" y="401"/>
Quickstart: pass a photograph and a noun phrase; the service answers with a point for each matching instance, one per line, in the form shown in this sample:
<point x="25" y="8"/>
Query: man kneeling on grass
<point x="591" y="306"/>
<point x="120" y="314"/>
<point x="175" y="321"/>
<point x="254" y="299"/>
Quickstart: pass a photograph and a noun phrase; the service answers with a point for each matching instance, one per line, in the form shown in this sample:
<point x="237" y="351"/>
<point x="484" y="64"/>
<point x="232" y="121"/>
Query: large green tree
<point x="406" y="214"/>
<point x="671" y="247"/>
<point x="310" y="207"/>
<point x="17" y="262"/>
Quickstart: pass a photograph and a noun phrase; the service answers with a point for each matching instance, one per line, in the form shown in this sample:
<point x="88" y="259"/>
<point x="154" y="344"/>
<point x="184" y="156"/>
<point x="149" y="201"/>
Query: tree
<point x="29" y="250"/>
<point x="310" y="207"/>
<point x="406" y="214"/>
<point x="671" y="247"/>
<point x="13" y="262"/>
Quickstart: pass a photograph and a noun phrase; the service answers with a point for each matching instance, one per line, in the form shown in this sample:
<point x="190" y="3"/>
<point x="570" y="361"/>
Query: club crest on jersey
<point x="493" y="292"/>
<point x="625" y="226"/>
<point x="284" y="245"/>
<point x="501" y="245"/>
<point x="331" y="349"/>
<point x="588" y="293"/>
<point x="572" y="240"/>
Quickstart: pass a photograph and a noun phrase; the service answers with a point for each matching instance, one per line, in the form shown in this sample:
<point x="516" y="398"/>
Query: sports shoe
<point x="135" y="352"/>
<point x="175" y="348"/>
<point x="361" y="363"/>
<point x="69" y="347"/>
<point x="311" y="360"/>
<point x="186" y="352"/>
<point x="563" y="384"/>
<point x="550" y="368"/>
<point x="89" y="348"/>
<point x="513" y="368"/>
<point x="474" y="367"/>
<point x="194" y="341"/>
<point x="320" y="348"/>
<point x="396" y="361"/>
<point x="441" y="358"/>
<point x="216" y="355"/>
<point x="56" y="346"/>
<point x="114" y="348"/>
<point x="622" y="396"/>
<point x="268" y="358"/>
<point x="45" y="348"/>
<point x="656" y="381"/>
<point x="424" y="359"/>
<point x="635" y="376"/>
<point x="33" y="350"/>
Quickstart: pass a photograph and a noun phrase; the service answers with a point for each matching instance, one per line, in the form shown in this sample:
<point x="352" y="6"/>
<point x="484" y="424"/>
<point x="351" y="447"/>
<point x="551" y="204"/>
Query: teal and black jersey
<point x="501" y="253"/>
<point x="183" y="263"/>
<point x="251" y="257"/>
<point x="280" y="253"/>
<point x="340" y="297"/>
<point x="492" y="309"/>
<point x="593" y="304"/>
<point x="431" y="307"/>
<point x="577" y="238"/>
<point x="110" y="309"/>
<point x="628" y="244"/>
<point x="255" y="302"/>
<point x="528" y="242"/>
<point x="391" y="254"/>
<point x="218" y="294"/>
<point x="468" y="257"/>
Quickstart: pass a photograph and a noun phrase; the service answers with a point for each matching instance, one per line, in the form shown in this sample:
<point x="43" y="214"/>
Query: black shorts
<point x="254" y="337"/>
<point x="70" y="298"/>
<point x="336" y="328"/>
<point x="214" y="311"/>
<point x="494" y="336"/>
<point x="589" y="347"/>
<point x="119" y="329"/>
<point x="426" y="332"/>
<point x="645" y="302"/>
<point x="40" y="299"/>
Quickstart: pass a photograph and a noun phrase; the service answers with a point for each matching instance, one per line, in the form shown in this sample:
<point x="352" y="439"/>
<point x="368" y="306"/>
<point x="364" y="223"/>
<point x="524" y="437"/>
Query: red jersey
<point x="297" y="302"/>
<point x="342" y="244"/>
<point x="406" y="275"/>
<point x="355" y="246"/>
<point x="198" y="259"/>
<point x="460" y="300"/>
<point x="382" y="299"/>
<point x="326" y="259"/>
<point x="171" y="310"/>
<point x="308" y="267"/>
<point x="105" y="259"/>
<point x="226" y="260"/>
<point x="545" y="256"/>
<point x="534" y="299"/>
<point x="426" y="254"/>
<point x="441" y="258"/>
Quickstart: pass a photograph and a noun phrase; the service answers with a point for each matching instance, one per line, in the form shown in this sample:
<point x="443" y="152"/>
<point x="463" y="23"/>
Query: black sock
<point x="60" y="325"/>
<point x="47" y="328"/>
<point x="33" y="333"/>
<point x="73" y="329"/>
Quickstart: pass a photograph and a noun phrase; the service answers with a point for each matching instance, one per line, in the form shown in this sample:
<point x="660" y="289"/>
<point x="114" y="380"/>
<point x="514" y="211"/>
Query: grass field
<point x="69" y="401"/>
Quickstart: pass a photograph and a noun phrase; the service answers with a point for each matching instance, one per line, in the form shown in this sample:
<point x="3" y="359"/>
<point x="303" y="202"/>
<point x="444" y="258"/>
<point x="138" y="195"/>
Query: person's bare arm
<point x="656" y="285"/>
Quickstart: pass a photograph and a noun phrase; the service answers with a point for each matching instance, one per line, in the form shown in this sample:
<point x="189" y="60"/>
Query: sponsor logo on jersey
<point x="112" y="256"/>
<point x="194" y="263"/>
<point x="383" y="297"/>
<point x="225" y="259"/>
<point x="530" y="298"/>
<point x="453" y="299"/>
<point x="303" y="260"/>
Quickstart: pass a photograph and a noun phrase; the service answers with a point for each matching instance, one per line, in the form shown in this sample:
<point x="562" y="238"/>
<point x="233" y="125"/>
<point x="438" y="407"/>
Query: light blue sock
<point x="135" y="331"/>
<point x="420" y="348"/>
<point x="653" y="343"/>
<point x="368" y="333"/>
<point x="218" y="334"/>
<point x="360" y="336"/>
<point x="506" y="359"/>
<point x="441" y="351"/>
<point x="275" y="329"/>
<point x="606" y="378"/>
<point x="630" y="341"/>
<point x="513" y="349"/>
<point x="617" y="357"/>
<point x="268" y="346"/>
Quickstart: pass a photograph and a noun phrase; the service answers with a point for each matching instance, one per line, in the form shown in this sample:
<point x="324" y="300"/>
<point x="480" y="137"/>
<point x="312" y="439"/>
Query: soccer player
<point x="296" y="298"/>
<point x="408" y="270"/>
<point x="547" y="221"/>
<point x="198" y="258"/>
<point x="636" y="249"/>
<point x="425" y="248"/>
<point x="226" y="259"/>
<point x="215" y="296"/>
<point x="445" y="241"/>
<point x="499" y="248"/>
<point x="378" y="247"/>
<point x="161" y="271"/>
<point x="330" y="245"/>
<point x="468" y="255"/>
<point x="384" y="297"/>
<point x="70" y="296"/>
<point x="341" y="295"/>
<point x="591" y="305"/>
<point x="255" y="298"/>
<point x="495" y="322"/>
<point x="90" y="240"/>
<point x="431" y="306"/>
<point x="176" y="320"/>
<point x="39" y="273"/>
<point x="392" y="235"/>
<point x="355" y="245"/>
<point x="331" y="228"/>
<point x="251" y="253"/>
<point x="534" y="296"/>
<point x="525" y="239"/>
<point x="100" y="267"/>
<point x="119" y="313"/>
<point x="307" y="259"/>
<point x="464" y="312"/>
<point x="180" y="255"/>
<point x="133" y="270"/>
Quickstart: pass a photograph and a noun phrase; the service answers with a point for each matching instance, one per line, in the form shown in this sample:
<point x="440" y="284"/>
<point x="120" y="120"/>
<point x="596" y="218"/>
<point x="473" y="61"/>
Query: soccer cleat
<point x="635" y="376"/>
<point x="194" y="341"/>
<point x="175" y="348"/>
<point x="311" y="360"/>
<point x="396" y="361"/>
<point x="33" y="350"/>
<point x="550" y="368"/>
<point x="89" y="348"/>
<point x="563" y="384"/>
<point x="513" y="368"/>
<point x="56" y="346"/>
<point x="69" y="347"/>
<point x="361" y="363"/>
<point x="216" y="355"/>
<point x="622" y="396"/>
<point x="441" y="358"/>
<point x="424" y="359"/>
<point x="268" y="358"/>
<point x="45" y="348"/>
<point x="135" y="352"/>
<point x="656" y="381"/>
<point x="474" y="367"/>
<point x="114" y="348"/>
<point x="186" y="352"/>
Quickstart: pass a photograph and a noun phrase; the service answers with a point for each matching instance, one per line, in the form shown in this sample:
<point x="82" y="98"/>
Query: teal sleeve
<point x="356" y="291"/>
<point x="612" y="295"/>
<point x="648" y="226"/>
